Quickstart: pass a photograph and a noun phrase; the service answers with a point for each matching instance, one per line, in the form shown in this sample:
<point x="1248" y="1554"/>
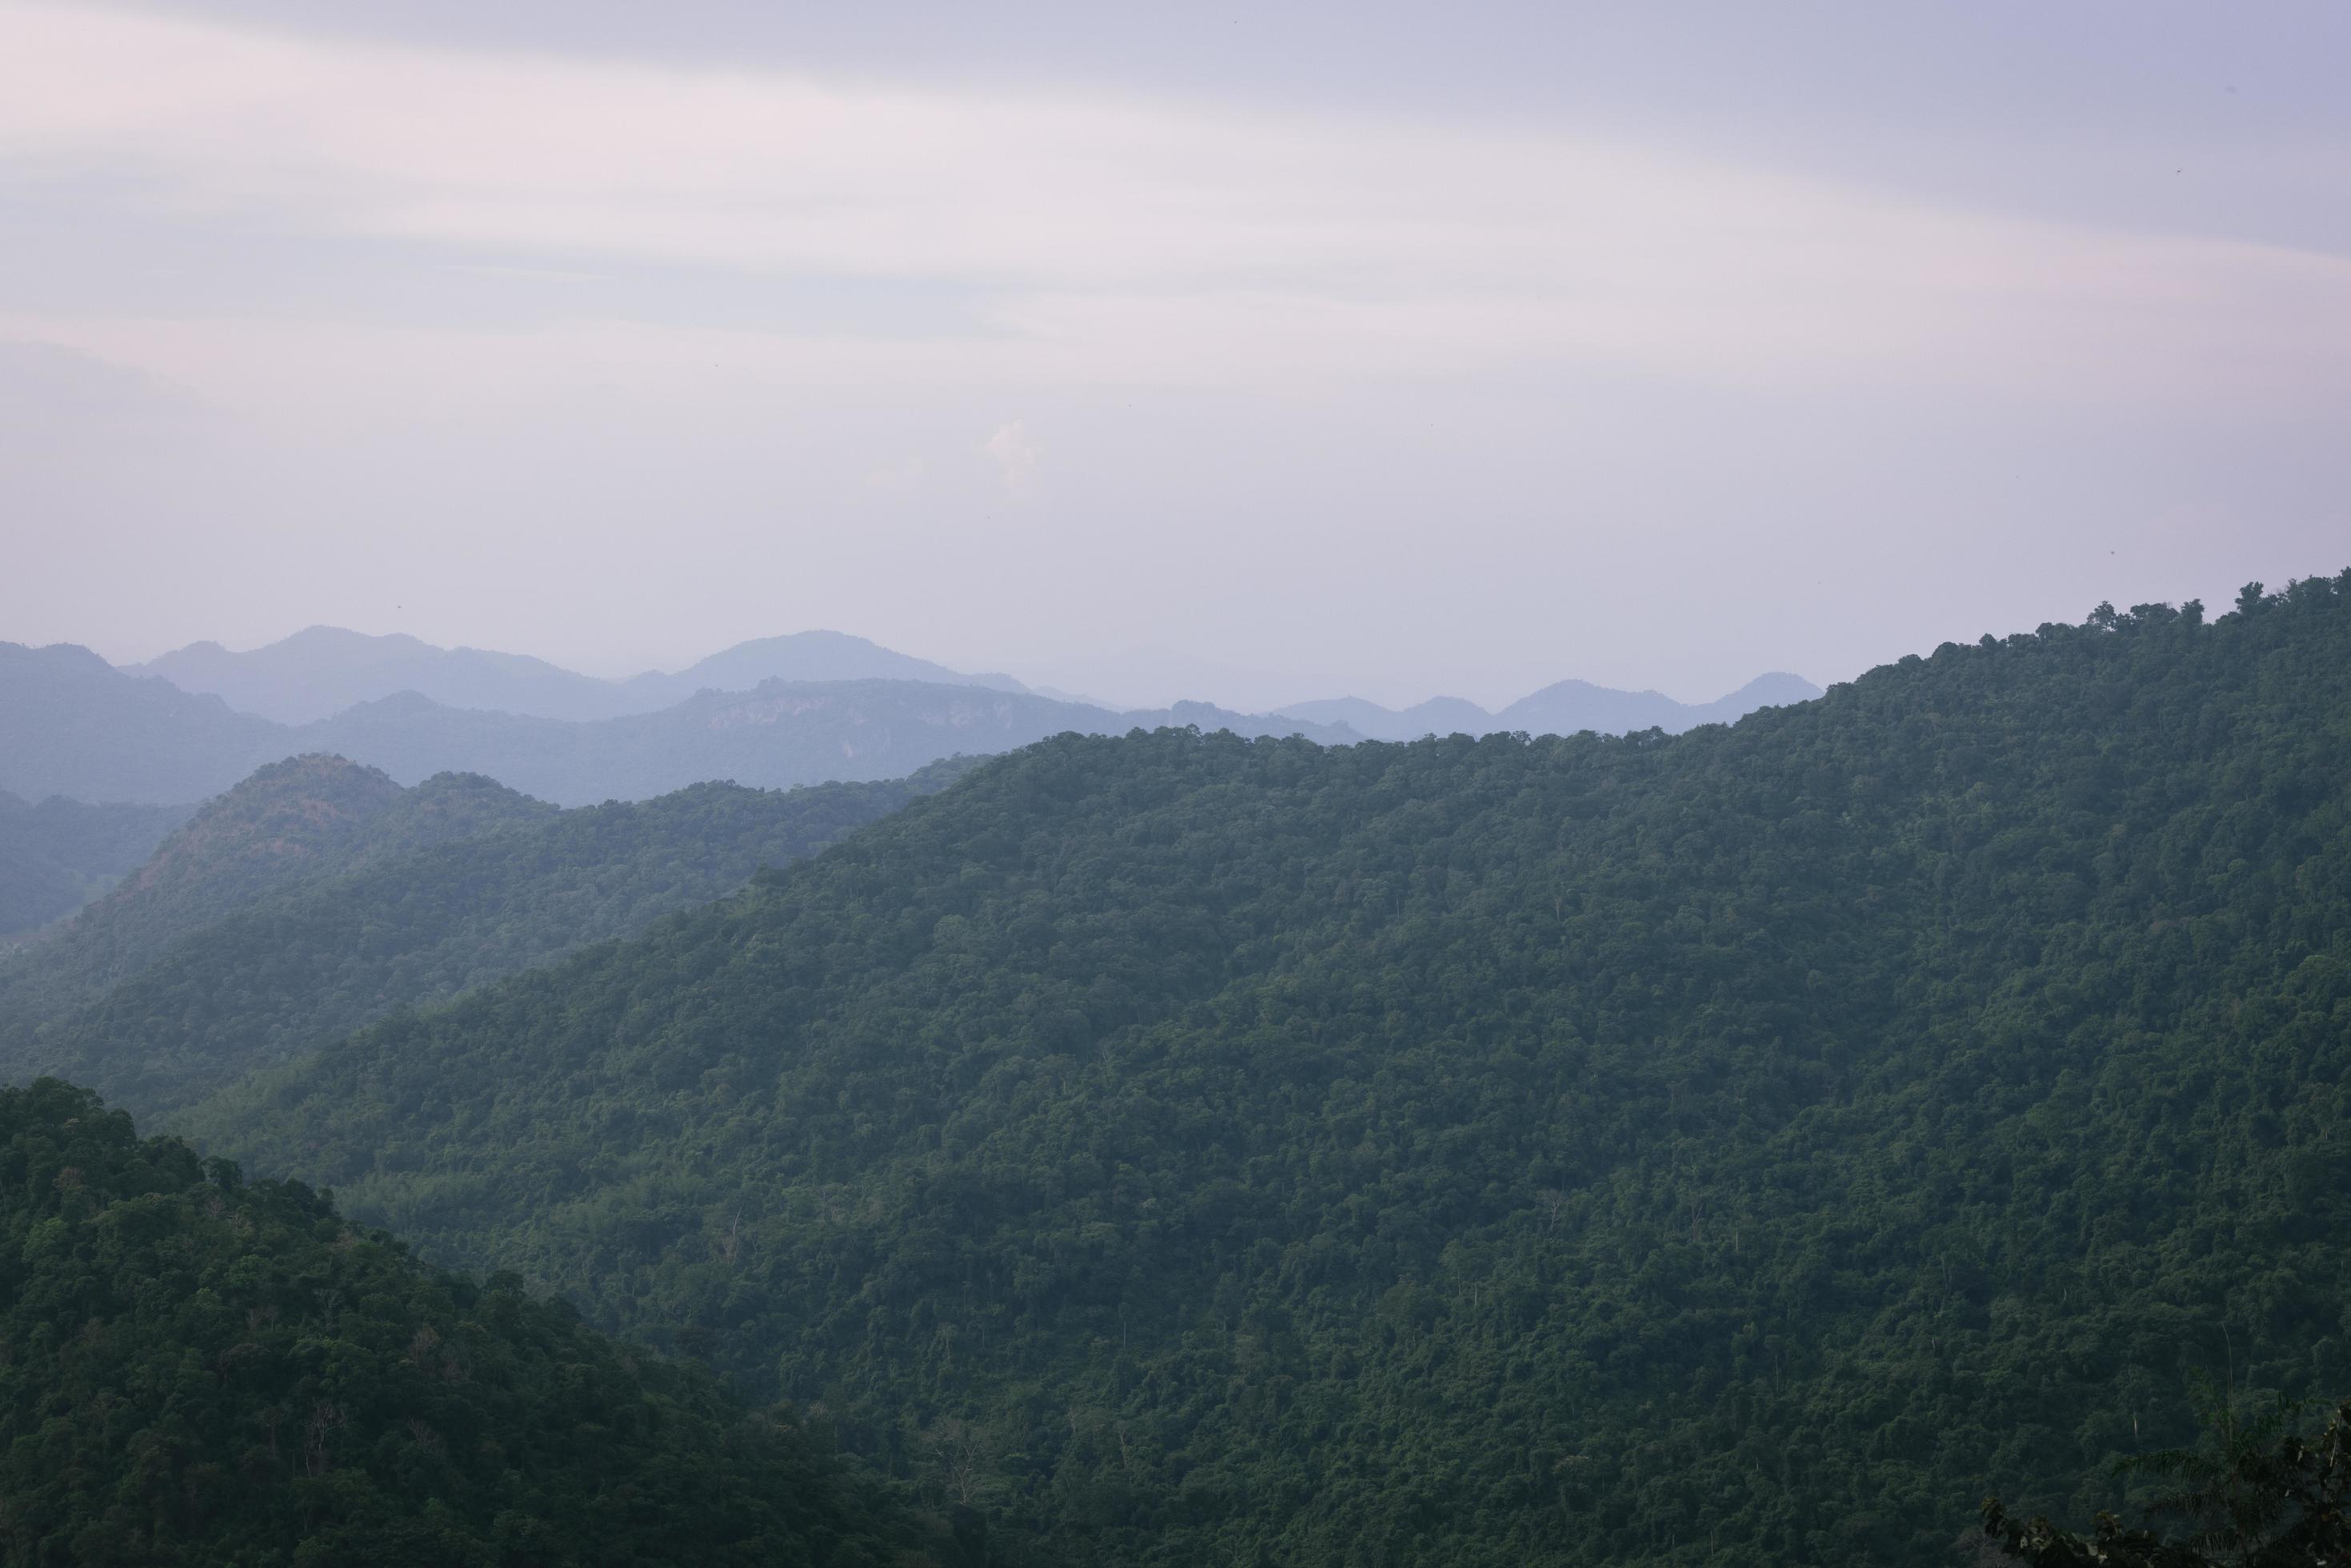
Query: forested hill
<point x="303" y="818"/>
<point x="1751" y="1146"/>
<point x="203" y="1370"/>
<point x="400" y="918"/>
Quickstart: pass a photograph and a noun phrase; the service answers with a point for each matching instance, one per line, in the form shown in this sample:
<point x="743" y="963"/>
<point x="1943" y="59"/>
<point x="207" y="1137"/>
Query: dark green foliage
<point x="2260" y="1493"/>
<point x="417" y="921"/>
<point x="1727" y="1148"/>
<point x="57" y="855"/>
<point x="199" y="1369"/>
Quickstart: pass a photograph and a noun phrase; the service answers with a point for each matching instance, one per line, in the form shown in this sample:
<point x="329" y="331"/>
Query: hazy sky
<point x="1393" y="348"/>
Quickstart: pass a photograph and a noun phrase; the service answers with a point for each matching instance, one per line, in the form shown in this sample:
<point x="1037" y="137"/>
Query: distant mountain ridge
<point x="322" y="670"/>
<point x="77" y="726"/>
<point x="81" y="728"/>
<point x="1566" y="708"/>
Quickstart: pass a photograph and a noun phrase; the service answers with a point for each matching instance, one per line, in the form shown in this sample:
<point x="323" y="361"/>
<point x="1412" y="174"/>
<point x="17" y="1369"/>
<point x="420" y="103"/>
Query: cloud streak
<point x="1158" y="242"/>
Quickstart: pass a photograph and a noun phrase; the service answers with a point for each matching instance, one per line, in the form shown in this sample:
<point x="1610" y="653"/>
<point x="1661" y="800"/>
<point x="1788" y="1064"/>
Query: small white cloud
<point x="1013" y="452"/>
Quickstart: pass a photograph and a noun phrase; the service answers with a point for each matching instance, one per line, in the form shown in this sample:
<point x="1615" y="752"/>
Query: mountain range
<point x="175" y="730"/>
<point x="321" y="671"/>
<point x="81" y="728"/>
<point x="1752" y="1145"/>
<point x="1749" y="1145"/>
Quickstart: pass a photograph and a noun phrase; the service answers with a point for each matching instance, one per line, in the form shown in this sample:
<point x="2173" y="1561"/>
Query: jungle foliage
<point x="1748" y="1146"/>
<point x="199" y="1369"/>
<point x="2257" y="1492"/>
<point x="293" y="821"/>
<point x="249" y="945"/>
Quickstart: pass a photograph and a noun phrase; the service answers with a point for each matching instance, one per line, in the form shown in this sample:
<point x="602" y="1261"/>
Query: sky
<point x="1247" y="353"/>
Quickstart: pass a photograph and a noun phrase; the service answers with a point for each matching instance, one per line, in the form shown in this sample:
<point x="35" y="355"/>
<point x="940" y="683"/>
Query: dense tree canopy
<point x="239" y="964"/>
<point x="2259" y="1492"/>
<point x="199" y="1369"/>
<point x="302" y="818"/>
<point x="1748" y="1146"/>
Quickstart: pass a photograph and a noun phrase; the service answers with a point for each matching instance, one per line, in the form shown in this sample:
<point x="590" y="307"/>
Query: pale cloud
<point x="1014" y="454"/>
<point x="1157" y="243"/>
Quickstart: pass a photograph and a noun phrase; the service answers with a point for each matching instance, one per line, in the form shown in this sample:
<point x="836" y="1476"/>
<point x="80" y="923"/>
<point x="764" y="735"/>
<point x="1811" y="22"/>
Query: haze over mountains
<point x="775" y="713"/>
<point x="57" y="855"/>
<point x="1187" y="1147"/>
<point x="324" y="670"/>
<point x="83" y="730"/>
<point x="1749" y="1145"/>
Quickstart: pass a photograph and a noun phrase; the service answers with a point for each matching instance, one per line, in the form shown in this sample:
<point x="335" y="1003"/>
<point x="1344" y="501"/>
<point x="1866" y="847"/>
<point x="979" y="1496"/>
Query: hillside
<point x="1753" y="1145"/>
<point x="302" y="818"/>
<point x="295" y="970"/>
<point x="203" y="1369"/>
<point x="1566" y="708"/>
<point x="322" y="670"/>
<point x="57" y="855"/>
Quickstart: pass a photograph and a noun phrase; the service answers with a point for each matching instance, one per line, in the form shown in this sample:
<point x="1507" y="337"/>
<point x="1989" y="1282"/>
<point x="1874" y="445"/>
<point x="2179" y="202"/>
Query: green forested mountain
<point x="58" y="854"/>
<point x="318" y="896"/>
<point x="289" y="972"/>
<point x="1751" y="1146"/>
<point x="198" y="1369"/>
<point x="304" y="818"/>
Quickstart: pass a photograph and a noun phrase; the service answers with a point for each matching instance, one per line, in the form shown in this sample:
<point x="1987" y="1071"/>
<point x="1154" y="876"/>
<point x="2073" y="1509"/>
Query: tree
<point x="2257" y="1494"/>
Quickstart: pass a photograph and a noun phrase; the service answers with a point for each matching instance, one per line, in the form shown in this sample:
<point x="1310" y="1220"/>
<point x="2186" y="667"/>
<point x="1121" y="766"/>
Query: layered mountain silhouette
<point x="777" y="713"/>
<point x="1478" y="1152"/>
<point x="81" y="729"/>
<point x="325" y="670"/>
<point x="1567" y="707"/>
<point x="77" y="726"/>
